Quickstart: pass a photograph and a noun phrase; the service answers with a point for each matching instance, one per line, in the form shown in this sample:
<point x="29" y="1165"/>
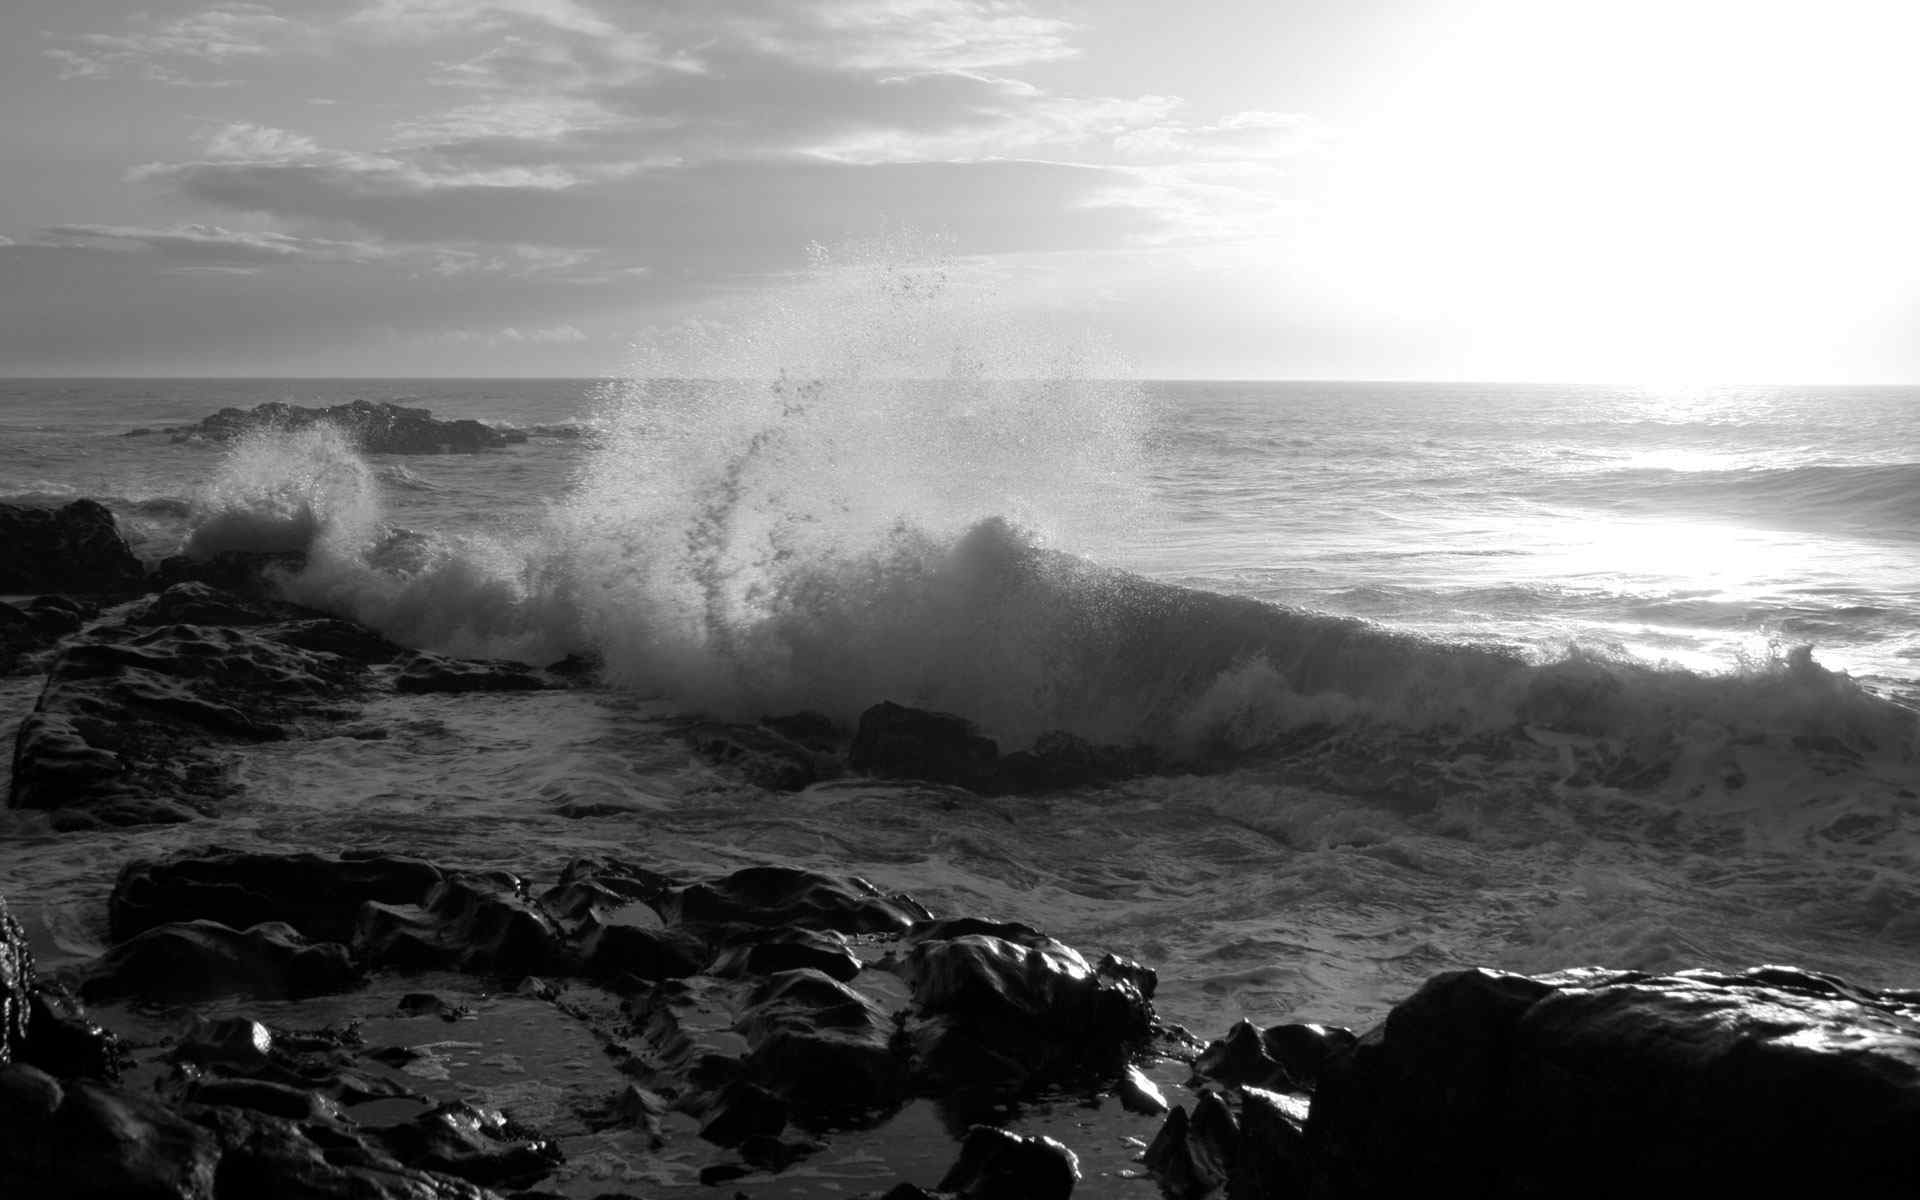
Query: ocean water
<point x="1527" y="676"/>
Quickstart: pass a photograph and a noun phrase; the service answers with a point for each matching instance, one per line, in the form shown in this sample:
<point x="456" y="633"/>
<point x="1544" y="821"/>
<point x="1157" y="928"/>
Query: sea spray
<point x="777" y="514"/>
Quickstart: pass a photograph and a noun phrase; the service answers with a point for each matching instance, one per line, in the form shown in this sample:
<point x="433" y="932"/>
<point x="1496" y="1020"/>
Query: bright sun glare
<point x="1680" y="191"/>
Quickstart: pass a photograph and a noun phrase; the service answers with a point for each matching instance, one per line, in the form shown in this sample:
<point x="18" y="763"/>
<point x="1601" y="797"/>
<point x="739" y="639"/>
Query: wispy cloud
<point x="194" y="50"/>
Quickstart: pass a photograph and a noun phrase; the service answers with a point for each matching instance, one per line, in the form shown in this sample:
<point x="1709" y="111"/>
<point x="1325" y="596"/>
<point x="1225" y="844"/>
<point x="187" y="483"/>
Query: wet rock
<point x="1769" y="1082"/>
<point x="102" y="1142"/>
<point x="790" y="950"/>
<point x="898" y="742"/>
<point x="822" y="1047"/>
<point x="129" y="726"/>
<point x="478" y="921"/>
<point x="200" y="604"/>
<point x="424" y="672"/>
<point x="1059" y="760"/>
<point x="74" y="548"/>
<point x="61" y="1038"/>
<point x="252" y="573"/>
<point x="1285" y="1058"/>
<point x="313" y="893"/>
<point x="1193" y="1156"/>
<point x="318" y="895"/>
<point x="1138" y="1094"/>
<point x="377" y="427"/>
<point x="605" y="888"/>
<point x="636" y="952"/>
<point x="768" y="897"/>
<point x="1271" y="1159"/>
<point x="28" y="1096"/>
<point x="265" y="1096"/>
<point x="741" y="1112"/>
<point x="237" y="1043"/>
<point x="995" y="1163"/>
<point x="1020" y="1012"/>
<point x="471" y="1143"/>
<point x="764" y="757"/>
<point x="266" y="1155"/>
<point x="201" y="960"/>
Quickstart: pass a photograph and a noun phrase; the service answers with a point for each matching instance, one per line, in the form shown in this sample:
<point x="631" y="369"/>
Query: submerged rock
<point x="378" y="427"/>
<point x="898" y="742"/>
<point x="424" y="672"/>
<point x="74" y="548"/>
<point x="1772" y="1081"/>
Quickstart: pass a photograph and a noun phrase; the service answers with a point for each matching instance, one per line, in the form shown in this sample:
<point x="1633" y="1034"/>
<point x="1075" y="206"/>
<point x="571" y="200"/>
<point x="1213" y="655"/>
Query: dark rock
<point x="898" y="742"/>
<point x="255" y="573"/>
<point x="239" y="1043"/>
<point x="28" y="1096"/>
<point x="1059" y="760"/>
<point x="421" y="1004"/>
<point x="1020" y="1013"/>
<point x="637" y="952"/>
<point x="261" y="1095"/>
<point x="1139" y="1094"/>
<point x="1770" y="1082"/>
<point x="433" y="673"/>
<point x="200" y="604"/>
<point x="479" y="921"/>
<point x="764" y="757"/>
<point x="741" y="1111"/>
<point x="814" y="730"/>
<point x="74" y="548"/>
<point x="1272" y="1156"/>
<point x="128" y="728"/>
<point x="790" y="950"/>
<point x="607" y="889"/>
<point x="822" y="1047"/>
<point x="318" y="895"/>
<point x="61" y="1038"/>
<point x="475" y="1144"/>
<point x="377" y="427"/>
<point x="200" y="960"/>
<point x="267" y="1155"/>
<point x="105" y="1143"/>
<point x="1194" y="1156"/>
<point x="995" y="1164"/>
<point x="788" y="896"/>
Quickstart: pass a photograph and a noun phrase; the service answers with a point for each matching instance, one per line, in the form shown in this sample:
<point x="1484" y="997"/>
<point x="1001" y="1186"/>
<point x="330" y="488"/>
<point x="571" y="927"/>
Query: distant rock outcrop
<point x="380" y="427"/>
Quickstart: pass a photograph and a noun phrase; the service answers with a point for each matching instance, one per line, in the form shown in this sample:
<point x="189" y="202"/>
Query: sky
<point x="1682" y="190"/>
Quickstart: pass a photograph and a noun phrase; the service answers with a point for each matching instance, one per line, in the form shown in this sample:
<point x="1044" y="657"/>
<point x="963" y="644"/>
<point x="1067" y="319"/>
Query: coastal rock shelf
<point x="132" y="723"/>
<point x="377" y="427"/>
<point x="774" y="1020"/>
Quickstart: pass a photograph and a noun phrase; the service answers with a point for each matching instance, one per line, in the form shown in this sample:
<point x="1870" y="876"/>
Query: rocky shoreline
<point x="281" y="1022"/>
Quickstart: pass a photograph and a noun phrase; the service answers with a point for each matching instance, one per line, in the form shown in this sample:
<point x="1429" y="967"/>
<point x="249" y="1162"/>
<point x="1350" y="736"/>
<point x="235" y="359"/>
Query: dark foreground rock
<point x="74" y="548"/>
<point x="1769" y="1082"/>
<point x="379" y="427"/>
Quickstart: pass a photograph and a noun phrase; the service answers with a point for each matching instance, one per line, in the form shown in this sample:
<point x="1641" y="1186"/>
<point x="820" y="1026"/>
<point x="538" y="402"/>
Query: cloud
<point x="206" y="245"/>
<point x="182" y="51"/>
